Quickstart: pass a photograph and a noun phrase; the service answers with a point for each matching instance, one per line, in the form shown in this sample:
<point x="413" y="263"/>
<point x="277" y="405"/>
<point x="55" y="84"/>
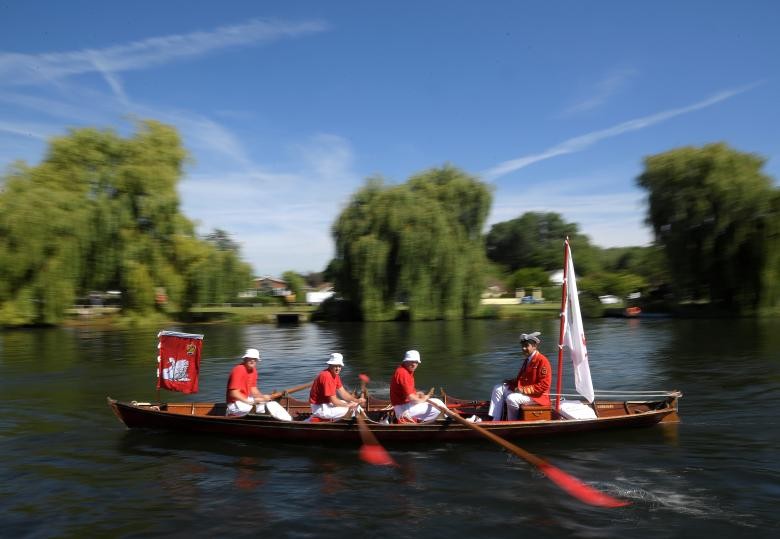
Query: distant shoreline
<point x="281" y="314"/>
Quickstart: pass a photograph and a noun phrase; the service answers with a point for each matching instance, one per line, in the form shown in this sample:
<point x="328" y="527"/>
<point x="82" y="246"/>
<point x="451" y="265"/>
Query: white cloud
<point x="330" y="156"/>
<point x="298" y="249"/>
<point x="111" y="78"/>
<point x="202" y="134"/>
<point x="603" y="205"/>
<point x="281" y="219"/>
<point x="582" y="142"/>
<point x="28" y="129"/>
<point x="603" y="90"/>
<point x="52" y="107"/>
<point x="609" y="220"/>
<point x="41" y="68"/>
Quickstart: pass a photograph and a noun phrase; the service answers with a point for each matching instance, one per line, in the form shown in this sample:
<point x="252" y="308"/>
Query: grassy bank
<point x="249" y="314"/>
<point x="268" y="314"/>
<point x="520" y="310"/>
<point x="254" y="314"/>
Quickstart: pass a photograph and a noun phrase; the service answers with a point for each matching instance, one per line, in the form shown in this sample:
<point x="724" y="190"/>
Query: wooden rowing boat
<point x="209" y="419"/>
<point x="604" y="412"/>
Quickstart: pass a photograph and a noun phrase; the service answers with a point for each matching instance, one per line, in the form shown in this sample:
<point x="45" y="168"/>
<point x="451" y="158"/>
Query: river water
<point x="70" y="469"/>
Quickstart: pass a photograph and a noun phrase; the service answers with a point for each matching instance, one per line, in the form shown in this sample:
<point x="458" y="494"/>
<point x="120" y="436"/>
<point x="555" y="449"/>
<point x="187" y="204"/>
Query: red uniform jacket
<point x="535" y="378"/>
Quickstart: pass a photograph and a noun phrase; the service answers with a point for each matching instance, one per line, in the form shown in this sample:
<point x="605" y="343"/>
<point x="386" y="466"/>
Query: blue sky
<point x="287" y="107"/>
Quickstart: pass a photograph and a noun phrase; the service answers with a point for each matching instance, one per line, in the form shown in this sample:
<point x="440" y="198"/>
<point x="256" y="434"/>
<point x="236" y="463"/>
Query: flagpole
<point x="564" y="302"/>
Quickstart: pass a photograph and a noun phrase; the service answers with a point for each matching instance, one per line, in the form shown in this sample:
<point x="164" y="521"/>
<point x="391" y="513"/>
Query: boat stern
<point x="674" y="404"/>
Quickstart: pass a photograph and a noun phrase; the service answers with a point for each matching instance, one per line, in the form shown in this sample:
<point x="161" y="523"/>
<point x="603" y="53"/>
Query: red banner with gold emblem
<point x="179" y="361"/>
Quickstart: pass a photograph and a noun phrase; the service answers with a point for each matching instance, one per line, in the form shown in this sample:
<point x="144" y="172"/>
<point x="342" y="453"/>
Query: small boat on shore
<point x="632" y="312"/>
<point x="639" y="410"/>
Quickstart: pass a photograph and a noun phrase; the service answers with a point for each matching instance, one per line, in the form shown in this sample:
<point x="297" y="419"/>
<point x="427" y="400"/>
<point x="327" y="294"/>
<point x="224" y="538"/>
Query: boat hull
<point x="209" y="419"/>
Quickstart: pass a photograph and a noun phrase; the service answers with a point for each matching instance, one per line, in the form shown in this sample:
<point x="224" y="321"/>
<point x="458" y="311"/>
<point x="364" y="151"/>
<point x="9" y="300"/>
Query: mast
<point x="564" y="305"/>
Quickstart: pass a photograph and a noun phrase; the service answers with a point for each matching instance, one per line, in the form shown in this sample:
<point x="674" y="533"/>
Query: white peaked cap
<point x="530" y="337"/>
<point x="413" y="355"/>
<point x="336" y="359"/>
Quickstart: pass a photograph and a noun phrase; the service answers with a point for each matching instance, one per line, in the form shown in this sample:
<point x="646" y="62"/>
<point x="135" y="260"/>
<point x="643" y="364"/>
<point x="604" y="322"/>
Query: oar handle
<point x="509" y="446"/>
<point x="277" y="394"/>
<point x="364" y="379"/>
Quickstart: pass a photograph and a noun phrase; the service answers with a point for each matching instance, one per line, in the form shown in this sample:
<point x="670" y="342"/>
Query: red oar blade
<point x="376" y="455"/>
<point x="578" y="489"/>
<point x="364" y="378"/>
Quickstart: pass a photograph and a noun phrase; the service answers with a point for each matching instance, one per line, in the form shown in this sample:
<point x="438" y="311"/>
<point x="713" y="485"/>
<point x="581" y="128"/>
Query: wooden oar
<point x="278" y="394"/>
<point x="568" y="483"/>
<point x="371" y="451"/>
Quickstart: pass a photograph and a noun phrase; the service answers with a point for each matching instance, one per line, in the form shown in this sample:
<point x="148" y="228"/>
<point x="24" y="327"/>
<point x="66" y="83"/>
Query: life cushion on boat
<point x="577" y="410"/>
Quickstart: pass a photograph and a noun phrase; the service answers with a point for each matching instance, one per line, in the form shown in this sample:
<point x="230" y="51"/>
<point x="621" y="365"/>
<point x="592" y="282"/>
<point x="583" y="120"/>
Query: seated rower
<point x="242" y="394"/>
<point x="408" y="403"/>
<point x="532" y="385"/>
<point x="328" y="398"/>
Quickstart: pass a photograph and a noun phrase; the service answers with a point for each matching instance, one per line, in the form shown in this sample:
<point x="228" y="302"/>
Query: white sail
<point x="575" y="334"/>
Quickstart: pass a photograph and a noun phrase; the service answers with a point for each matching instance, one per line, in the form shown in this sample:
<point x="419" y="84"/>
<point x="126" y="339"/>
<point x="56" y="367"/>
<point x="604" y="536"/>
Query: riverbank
<point x="273" y="314"/>
<point x="212" y="314"/>
<point x="519" y="311"/>
<point x="270" y="314"/>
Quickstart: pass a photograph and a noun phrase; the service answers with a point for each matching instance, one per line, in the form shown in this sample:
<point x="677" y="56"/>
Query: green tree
<point x="418" y="243"/>
<point x="227" y="274"/>
<point x="314" y="278"/>
<point x="529" y="277"/>
<point x="716" y="215"/>
<point x="619" y="284"/>
<point x="222" y="240"/>
<point x="647" y="262"/>
<point x="536" y="240"/>
<point x="101" y="212"/>
<point x="295" y="284"/>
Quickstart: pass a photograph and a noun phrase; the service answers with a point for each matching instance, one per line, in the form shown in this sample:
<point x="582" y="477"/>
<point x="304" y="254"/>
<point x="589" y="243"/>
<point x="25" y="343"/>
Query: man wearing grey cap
<point x="531" y="386"/>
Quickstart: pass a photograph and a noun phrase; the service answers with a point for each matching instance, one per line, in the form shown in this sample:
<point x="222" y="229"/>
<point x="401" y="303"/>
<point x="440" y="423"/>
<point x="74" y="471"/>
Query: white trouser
<point x="273" y="408"/>
<point x="421" y="411"/>
<point x="330" y="411"/>
<point x="502" y="394"/>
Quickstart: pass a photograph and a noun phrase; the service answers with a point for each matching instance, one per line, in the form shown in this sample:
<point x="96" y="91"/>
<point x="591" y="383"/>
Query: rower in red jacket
<point x="409" y="403"/>
<point x="328" y="398"/>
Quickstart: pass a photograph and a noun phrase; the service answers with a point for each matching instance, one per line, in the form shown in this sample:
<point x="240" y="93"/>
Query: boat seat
<point x="531" y="412"/>
<point x="577" y="410"/>
<point x="535" y="412"/>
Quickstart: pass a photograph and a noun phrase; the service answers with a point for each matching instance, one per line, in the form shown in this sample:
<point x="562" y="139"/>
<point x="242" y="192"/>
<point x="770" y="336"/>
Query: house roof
<point x="273" y="279"/>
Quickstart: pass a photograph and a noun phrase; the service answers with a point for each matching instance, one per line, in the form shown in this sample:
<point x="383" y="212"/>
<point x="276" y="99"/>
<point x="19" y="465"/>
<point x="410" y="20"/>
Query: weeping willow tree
<point x="101" y="212"/>
<point x="420" y="243"/>
<point x="717" y="216"/>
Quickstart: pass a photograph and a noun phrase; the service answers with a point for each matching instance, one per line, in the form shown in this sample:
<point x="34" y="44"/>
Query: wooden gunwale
<point x="208" y="418"/>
